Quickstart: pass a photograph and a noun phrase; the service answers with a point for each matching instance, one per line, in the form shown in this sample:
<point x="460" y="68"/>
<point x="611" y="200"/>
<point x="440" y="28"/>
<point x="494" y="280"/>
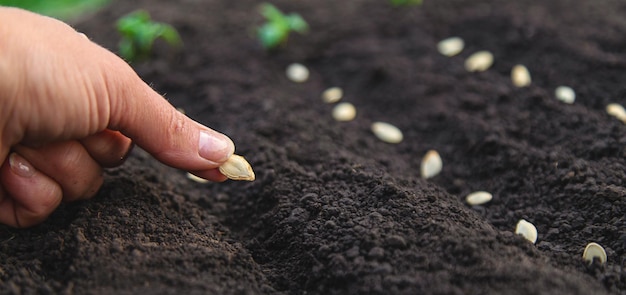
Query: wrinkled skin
<point x="69" y="108"/>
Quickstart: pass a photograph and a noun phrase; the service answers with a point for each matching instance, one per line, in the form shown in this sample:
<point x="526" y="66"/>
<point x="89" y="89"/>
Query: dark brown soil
<point x="336" y="211"/>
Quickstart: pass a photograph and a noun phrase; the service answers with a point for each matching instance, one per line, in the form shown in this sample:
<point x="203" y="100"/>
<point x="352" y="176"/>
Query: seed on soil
<point x="616" y="110"/>
<point x="450" y="46"/>
<point x="594" y="251"/>
<point x="344" y="111"/>
<point x="237" y="168"/>
<point x="196" y="178"/>
<point x="479" y="61"/>
<point x="387" y="132"/>
<point x="431" y="164"/>
<point x="526" y="229"/>
<point x="297" y="73"/>
<point x="332" y="95"/>
<point x="520" y="76"/>
<point x="478" y="198"/>
<point x="565" y="94"/>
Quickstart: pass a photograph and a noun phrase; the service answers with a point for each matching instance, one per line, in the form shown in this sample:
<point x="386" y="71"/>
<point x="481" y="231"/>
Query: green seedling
<point x="406" y="2"/>
<point x="139" y="33"/>
<point x="62" y="9"/>
<point x="277" y="27"/>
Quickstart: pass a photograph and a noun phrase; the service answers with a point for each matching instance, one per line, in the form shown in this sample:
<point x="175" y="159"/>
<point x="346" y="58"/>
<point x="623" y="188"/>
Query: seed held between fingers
<point x="237" y="168"/>
<point x="196" y="178"/>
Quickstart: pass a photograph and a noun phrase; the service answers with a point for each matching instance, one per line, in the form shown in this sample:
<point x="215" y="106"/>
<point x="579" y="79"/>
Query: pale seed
<point x="196" y="178"/>
<point x="617" y="110"/>
<point x="479" y="61"/>
<point x="450" y="46"/>
<point x="297" y="73"/>
<point x="387" y="132"/>
<point x="344" y="111"/>
<point x="527" y="230"/>
<point x="594" y="250"/>
<point x="520" y="76"/>
<point x="431" y="164"/>
<point x="565" y="94"/>
<point x="237" y="168"/>
<point x="332" y="95"/>
<point x="478" y="198"/>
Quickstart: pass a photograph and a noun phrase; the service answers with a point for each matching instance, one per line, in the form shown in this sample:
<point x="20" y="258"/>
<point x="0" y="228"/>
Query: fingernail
<point x="214" y="147"/>
<point x="20" y="166"/>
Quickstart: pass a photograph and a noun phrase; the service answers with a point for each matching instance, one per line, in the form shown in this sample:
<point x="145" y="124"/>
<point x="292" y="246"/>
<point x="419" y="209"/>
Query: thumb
<point x="57" y="85"/>
<point x="156" y="126"/>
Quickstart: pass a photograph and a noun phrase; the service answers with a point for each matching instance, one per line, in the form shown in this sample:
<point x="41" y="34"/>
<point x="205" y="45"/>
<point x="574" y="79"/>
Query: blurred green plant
<point x="61" y="9"/>
<point x="277" y="27"/>
<point x="406" y="2"/>
<point x="139" y="33"/>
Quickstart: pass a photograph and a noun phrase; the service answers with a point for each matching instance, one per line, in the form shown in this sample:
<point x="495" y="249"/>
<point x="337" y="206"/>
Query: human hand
<point x="69" y="107"/>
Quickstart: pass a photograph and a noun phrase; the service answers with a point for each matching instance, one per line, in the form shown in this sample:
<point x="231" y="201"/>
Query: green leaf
<point x="170" y="35"/>
<point x="297" y="23"/>
<point x="278" y="26"/>
<point x="271" y="35"/>
<point x="61" y="9"/>
<point x="271" y="13"/>
<point x="132" y="23"/>
<point x="127" y="49"/>
<point x="139" y="33"/>
<point x="406" y="2"/>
